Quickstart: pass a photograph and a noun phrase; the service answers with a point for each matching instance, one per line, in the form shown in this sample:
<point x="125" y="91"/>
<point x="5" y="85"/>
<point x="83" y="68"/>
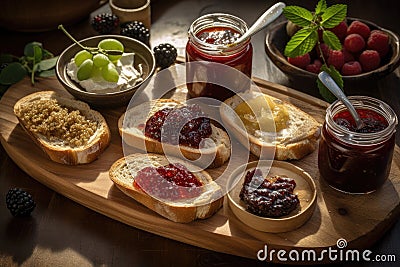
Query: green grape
<point x="96" y="72"/>
<point x="100" y="60"/>
<point x="112" y="44"/>
<point x="110" y="73"/>
<point x="82" y="56"/>
<point x="85" y="70"/>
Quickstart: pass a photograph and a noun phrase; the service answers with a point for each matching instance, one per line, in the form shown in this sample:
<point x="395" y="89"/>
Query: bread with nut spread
<point x="209" y="199"/>
<point x="66" y="129"/>
<point x="283" y="130"/>
<point x="215" y="150"/>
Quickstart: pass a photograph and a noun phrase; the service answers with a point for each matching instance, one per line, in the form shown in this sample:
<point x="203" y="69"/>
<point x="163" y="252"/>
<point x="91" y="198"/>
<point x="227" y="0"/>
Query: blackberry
<point x="19" y="202"/>
<point x="105" y="23"/>
<point x="137" y="30"/>
<point x="165" y="55"/>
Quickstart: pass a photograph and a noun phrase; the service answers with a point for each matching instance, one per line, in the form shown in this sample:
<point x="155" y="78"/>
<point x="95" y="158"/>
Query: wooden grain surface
<point x="360" y="219"/>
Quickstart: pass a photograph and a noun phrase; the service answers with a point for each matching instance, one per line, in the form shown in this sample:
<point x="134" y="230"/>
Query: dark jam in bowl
<point x="356" y="160"/>
<point x="372" y="121"/>
<point x="204" y="46"/>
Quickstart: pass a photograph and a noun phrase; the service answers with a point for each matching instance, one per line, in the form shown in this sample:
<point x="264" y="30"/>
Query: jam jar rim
<point x="212" y="48"/>
<point x="351" y="137"/>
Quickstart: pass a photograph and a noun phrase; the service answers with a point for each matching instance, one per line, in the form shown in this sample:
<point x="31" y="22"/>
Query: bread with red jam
<point x="135" y="127"/>
<point x="199" y="198"/>
<point x="66" y="129"/>
<point x="274" y="128"/>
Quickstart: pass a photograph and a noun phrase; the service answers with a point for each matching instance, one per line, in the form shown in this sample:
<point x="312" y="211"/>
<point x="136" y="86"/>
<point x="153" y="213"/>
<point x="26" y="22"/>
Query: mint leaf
<point x="29" y="49"/>
<point x="321" y="7"/>
<point x="331" y="40"/>
<point x="302" y="42"/>
<point x="333" y="15"/>
<point x="47" y="64"/>
<point x="325" y="93"/>
<point x="47" y="73"/>
<point x="13" y="73"/>
<point x="298" y="15"/>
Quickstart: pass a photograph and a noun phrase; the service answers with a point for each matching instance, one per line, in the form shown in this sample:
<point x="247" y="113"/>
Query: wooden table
<point x="63" y="233"/>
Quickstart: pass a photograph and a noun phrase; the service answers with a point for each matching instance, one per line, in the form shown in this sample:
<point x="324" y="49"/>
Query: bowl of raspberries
<point x="369" y="52"/>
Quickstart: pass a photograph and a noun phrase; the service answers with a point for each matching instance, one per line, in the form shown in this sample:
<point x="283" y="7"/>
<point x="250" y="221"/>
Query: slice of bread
<point x="123" y="173"/>
<point x="298" y="138"/>
<point x="131" y="127"/>
<point x="77" y="144"/>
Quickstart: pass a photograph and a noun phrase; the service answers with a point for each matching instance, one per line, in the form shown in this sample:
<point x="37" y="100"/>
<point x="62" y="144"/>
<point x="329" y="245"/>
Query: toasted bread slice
<point x="131" y="127"/>
<point x="123" y="173"/>
<point x="75" y="145"/>
<point x="298" y="138"/>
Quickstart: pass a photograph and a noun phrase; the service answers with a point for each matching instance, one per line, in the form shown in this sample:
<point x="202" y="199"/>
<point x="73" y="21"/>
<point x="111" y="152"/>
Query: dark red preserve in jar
<point x="209" y="41"/>
<point x="357" y="160"/>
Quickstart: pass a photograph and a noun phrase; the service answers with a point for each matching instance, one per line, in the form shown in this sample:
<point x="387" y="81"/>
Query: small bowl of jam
<point x="357" y="160"/>
<point x="272" y="196"/>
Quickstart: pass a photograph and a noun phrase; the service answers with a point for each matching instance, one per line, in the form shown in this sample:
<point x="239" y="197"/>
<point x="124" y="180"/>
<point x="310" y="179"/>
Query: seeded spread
<point x="48" y="118"/>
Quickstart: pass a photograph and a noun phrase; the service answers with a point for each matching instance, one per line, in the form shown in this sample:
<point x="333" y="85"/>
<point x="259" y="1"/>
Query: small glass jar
<point x="207" y="43"/>
<point x="353" y="161"/>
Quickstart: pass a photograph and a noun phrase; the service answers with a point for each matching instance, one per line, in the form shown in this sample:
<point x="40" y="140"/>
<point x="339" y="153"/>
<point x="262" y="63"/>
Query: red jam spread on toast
<point x="268" y="197"/>
<point x="169" y="182"/>
<point x="164" y="126"/>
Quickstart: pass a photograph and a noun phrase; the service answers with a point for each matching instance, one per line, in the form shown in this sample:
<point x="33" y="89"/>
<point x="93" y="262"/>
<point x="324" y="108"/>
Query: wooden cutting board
<point x="359" y="219"/>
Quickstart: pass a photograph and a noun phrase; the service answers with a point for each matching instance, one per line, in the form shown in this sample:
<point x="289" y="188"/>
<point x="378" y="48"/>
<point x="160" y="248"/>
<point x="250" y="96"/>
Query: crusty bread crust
<point x="304" y="129"/>
<point x="123" y="171"/>
<point x="219" y="153"/>
<point x="63" y="153"/>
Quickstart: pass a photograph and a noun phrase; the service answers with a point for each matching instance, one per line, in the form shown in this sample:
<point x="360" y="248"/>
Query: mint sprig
<point x="36" y="61"/>
<point x="305" y="39"/>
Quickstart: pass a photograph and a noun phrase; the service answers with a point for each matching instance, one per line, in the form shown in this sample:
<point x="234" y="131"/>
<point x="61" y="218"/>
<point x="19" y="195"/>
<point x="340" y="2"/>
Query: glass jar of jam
<point x="210" y="39"/>
<point x="357" y="160"/>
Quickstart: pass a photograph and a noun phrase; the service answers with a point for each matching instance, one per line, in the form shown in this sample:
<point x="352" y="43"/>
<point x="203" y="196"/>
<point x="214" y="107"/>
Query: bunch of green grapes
<point x="101" y="62"/>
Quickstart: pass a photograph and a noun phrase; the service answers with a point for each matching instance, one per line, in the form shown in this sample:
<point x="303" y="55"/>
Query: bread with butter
<point x="293" y="138"/>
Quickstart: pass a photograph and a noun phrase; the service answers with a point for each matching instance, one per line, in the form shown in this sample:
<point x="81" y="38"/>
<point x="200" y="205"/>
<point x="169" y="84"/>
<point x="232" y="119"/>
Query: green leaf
<point x="331" y="40"/>
<point x="325" y="93"/>
<point x="6" y="58"/>
<point x="333" y="15"/>
<point x="321" y="7"/>
<point x="298" y="15"/>
<point x="47" y="73"/>
<point x="37" y="51"/>
<point x="47" y="64"/>
<point x="29" y="49"/>
<point x="13" y="73"/>
<point x="302" y="42"/>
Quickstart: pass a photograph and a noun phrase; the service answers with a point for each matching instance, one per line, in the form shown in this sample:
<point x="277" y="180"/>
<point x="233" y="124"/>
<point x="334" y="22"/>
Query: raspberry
<point x="369" y="60"/>
<point x="354" y="43"/>
<point x="300" y="61"/>
<point x="136" y="30"/>
<point x="165" y="55"/>
<point x="351" y="68"/>
<point x="315" y="67"/>
<point x="379" y="41"/>
<point x="325" y="50"/>
<point x="19" y="202"/>
<point x="348" y="56"/>
<point x="340" y="30"/>
<point x="360" y="28"/>
<point x="336" y="58"/>
<point x="105" y="23"/>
